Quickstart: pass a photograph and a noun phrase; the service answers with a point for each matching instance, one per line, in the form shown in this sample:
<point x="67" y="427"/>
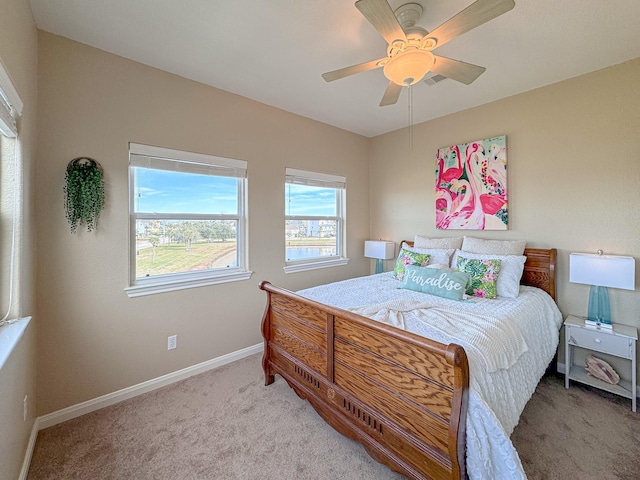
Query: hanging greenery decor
<point x="84" y="192"/>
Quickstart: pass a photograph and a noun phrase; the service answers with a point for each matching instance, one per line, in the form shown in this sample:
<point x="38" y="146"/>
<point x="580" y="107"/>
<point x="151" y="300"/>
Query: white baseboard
<point x="83" y="408"/>
<point x="24" y="471"/>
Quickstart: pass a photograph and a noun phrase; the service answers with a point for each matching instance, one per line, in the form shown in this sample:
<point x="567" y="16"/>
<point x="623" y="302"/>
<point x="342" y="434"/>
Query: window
<point x="10" y="200"/>
<point x="314" y="220"/>
<point x="187" y="220"/>
<point x="11" y="219"/>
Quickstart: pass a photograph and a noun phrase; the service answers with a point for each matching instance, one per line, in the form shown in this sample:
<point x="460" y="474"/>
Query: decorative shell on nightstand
<point x="602" y="370"/>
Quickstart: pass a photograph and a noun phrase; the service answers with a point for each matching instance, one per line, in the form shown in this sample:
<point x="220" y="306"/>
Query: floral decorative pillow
<point x="407" y="257"/>
<point x="484" y="275"/>
<point x="511" y="270"/>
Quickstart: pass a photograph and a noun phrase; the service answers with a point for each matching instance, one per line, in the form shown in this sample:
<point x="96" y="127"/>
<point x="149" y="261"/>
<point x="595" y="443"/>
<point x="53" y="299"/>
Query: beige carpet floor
<point x="221" y="425"/>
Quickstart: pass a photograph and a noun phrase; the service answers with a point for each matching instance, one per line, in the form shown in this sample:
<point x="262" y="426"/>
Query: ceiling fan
<point x="409" y="51"/>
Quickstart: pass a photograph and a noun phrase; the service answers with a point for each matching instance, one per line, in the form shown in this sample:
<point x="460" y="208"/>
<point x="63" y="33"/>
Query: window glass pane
<point x="10" y="227"/>
<point x="307" y="239"/>
<point x="308" y="201"/>
<point x="174" y="246"/>
<point x="161" y="191"/>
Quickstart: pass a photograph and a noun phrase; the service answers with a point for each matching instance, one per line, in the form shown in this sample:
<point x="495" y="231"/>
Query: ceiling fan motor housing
<point x="410" y="61"/>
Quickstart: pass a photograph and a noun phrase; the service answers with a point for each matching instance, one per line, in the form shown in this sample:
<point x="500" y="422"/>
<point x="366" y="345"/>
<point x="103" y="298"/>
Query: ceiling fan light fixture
<point x="408" y="67"/>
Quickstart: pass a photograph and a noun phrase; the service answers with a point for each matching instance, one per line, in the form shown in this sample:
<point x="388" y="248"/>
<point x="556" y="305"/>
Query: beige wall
<point x="573" y="173"/>
<point x="572" y="177"/>
<point x="18" y="53"/>
<point x="95" y="339"/>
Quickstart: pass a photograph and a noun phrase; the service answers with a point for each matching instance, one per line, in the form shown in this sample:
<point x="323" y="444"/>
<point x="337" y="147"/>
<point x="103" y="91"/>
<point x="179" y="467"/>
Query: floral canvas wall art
<point x="471" y="186"/>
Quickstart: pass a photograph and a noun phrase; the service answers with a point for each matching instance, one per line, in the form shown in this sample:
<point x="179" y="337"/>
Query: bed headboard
<point x="539" y="269"/>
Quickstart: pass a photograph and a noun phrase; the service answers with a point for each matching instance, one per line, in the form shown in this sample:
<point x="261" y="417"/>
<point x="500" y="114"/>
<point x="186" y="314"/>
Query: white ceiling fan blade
<point x="352" y="70"/>
<point x="456" y="70"/>
<point x="381" y="16"/>
<point x="391" y="94"/>
<point x="471" y="17"/>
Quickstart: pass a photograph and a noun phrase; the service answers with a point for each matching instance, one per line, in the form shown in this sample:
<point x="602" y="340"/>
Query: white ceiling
<point x="274" y="51"/>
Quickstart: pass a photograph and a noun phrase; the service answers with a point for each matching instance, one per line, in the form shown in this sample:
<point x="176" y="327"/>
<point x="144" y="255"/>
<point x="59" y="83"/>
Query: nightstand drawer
<point x="599" y="341"/>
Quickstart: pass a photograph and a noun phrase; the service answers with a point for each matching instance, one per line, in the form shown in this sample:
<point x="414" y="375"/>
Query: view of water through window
<point x="301" y="253"/>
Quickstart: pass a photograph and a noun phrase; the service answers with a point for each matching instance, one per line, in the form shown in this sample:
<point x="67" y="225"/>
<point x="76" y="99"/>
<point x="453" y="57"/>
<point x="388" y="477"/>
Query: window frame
<point x="179" y="161"/>
<point x="12" y="102"/>
<point x="12" y="322"/>
<point x="339" y="183"/>
<point x="11" y="183"/>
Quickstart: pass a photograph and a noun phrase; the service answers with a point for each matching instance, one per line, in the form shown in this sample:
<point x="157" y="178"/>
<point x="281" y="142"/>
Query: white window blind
<point x="314" y="179"/>
<point x="147" y="156"/>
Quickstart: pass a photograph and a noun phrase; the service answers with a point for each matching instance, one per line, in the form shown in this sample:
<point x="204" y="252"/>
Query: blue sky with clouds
<point x="160" y="191"/>
<point x="307" y="200"/>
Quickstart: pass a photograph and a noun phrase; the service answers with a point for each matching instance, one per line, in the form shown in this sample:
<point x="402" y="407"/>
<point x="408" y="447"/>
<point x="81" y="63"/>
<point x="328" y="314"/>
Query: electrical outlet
<point x="172" y="342"/>
<point x="25" y="407"/>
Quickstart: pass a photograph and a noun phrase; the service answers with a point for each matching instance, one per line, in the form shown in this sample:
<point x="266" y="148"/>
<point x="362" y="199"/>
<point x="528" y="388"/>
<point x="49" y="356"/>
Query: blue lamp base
<point x="379" y="267"/>
<point x="599" y="315"/>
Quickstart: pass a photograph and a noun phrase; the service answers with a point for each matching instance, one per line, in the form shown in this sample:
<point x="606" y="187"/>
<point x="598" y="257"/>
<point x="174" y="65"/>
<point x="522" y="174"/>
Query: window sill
<point x="303" y="267"/>
<point x="182" y="284"/>
<point x="9" y="337"/>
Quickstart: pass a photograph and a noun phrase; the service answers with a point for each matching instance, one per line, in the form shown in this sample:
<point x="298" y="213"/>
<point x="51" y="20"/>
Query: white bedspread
<point x="496" y="398"/>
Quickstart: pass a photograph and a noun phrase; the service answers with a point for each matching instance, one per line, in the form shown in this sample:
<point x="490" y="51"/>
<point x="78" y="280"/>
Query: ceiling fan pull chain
<point x="410" y="99"/>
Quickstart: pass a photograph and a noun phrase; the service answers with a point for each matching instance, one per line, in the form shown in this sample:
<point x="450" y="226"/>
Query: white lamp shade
<point x="379" y="249"/>
<point x="602" y="270"/>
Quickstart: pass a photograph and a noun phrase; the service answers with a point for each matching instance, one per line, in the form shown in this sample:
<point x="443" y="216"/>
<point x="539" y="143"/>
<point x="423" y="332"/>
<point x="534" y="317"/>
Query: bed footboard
<point x="402" y="396"/>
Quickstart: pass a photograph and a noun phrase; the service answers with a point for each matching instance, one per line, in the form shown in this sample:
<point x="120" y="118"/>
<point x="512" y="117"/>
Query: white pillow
<point x="512" y="266"/>
<point x="438" y="266"/>
<point x="424" y="242"/>
<point x="437" y="255"/>
<point x="499" y="247"/>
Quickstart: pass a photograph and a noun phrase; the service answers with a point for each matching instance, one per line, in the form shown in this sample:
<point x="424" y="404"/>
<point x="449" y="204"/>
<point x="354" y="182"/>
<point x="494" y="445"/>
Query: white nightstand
<point x="620" y="342"/>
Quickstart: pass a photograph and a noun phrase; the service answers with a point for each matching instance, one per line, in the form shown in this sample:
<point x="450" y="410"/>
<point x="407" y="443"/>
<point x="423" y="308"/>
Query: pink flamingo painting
<point x="471" y="186"/>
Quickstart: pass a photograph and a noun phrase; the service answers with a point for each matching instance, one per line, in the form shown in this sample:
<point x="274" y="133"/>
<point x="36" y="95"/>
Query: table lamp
<point x="601" y="271"/>
<point x="380" y="250"/>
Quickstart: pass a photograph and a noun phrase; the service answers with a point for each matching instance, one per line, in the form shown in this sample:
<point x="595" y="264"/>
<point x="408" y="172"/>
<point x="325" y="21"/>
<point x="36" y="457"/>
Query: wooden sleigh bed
<point x="402" y="396"/>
